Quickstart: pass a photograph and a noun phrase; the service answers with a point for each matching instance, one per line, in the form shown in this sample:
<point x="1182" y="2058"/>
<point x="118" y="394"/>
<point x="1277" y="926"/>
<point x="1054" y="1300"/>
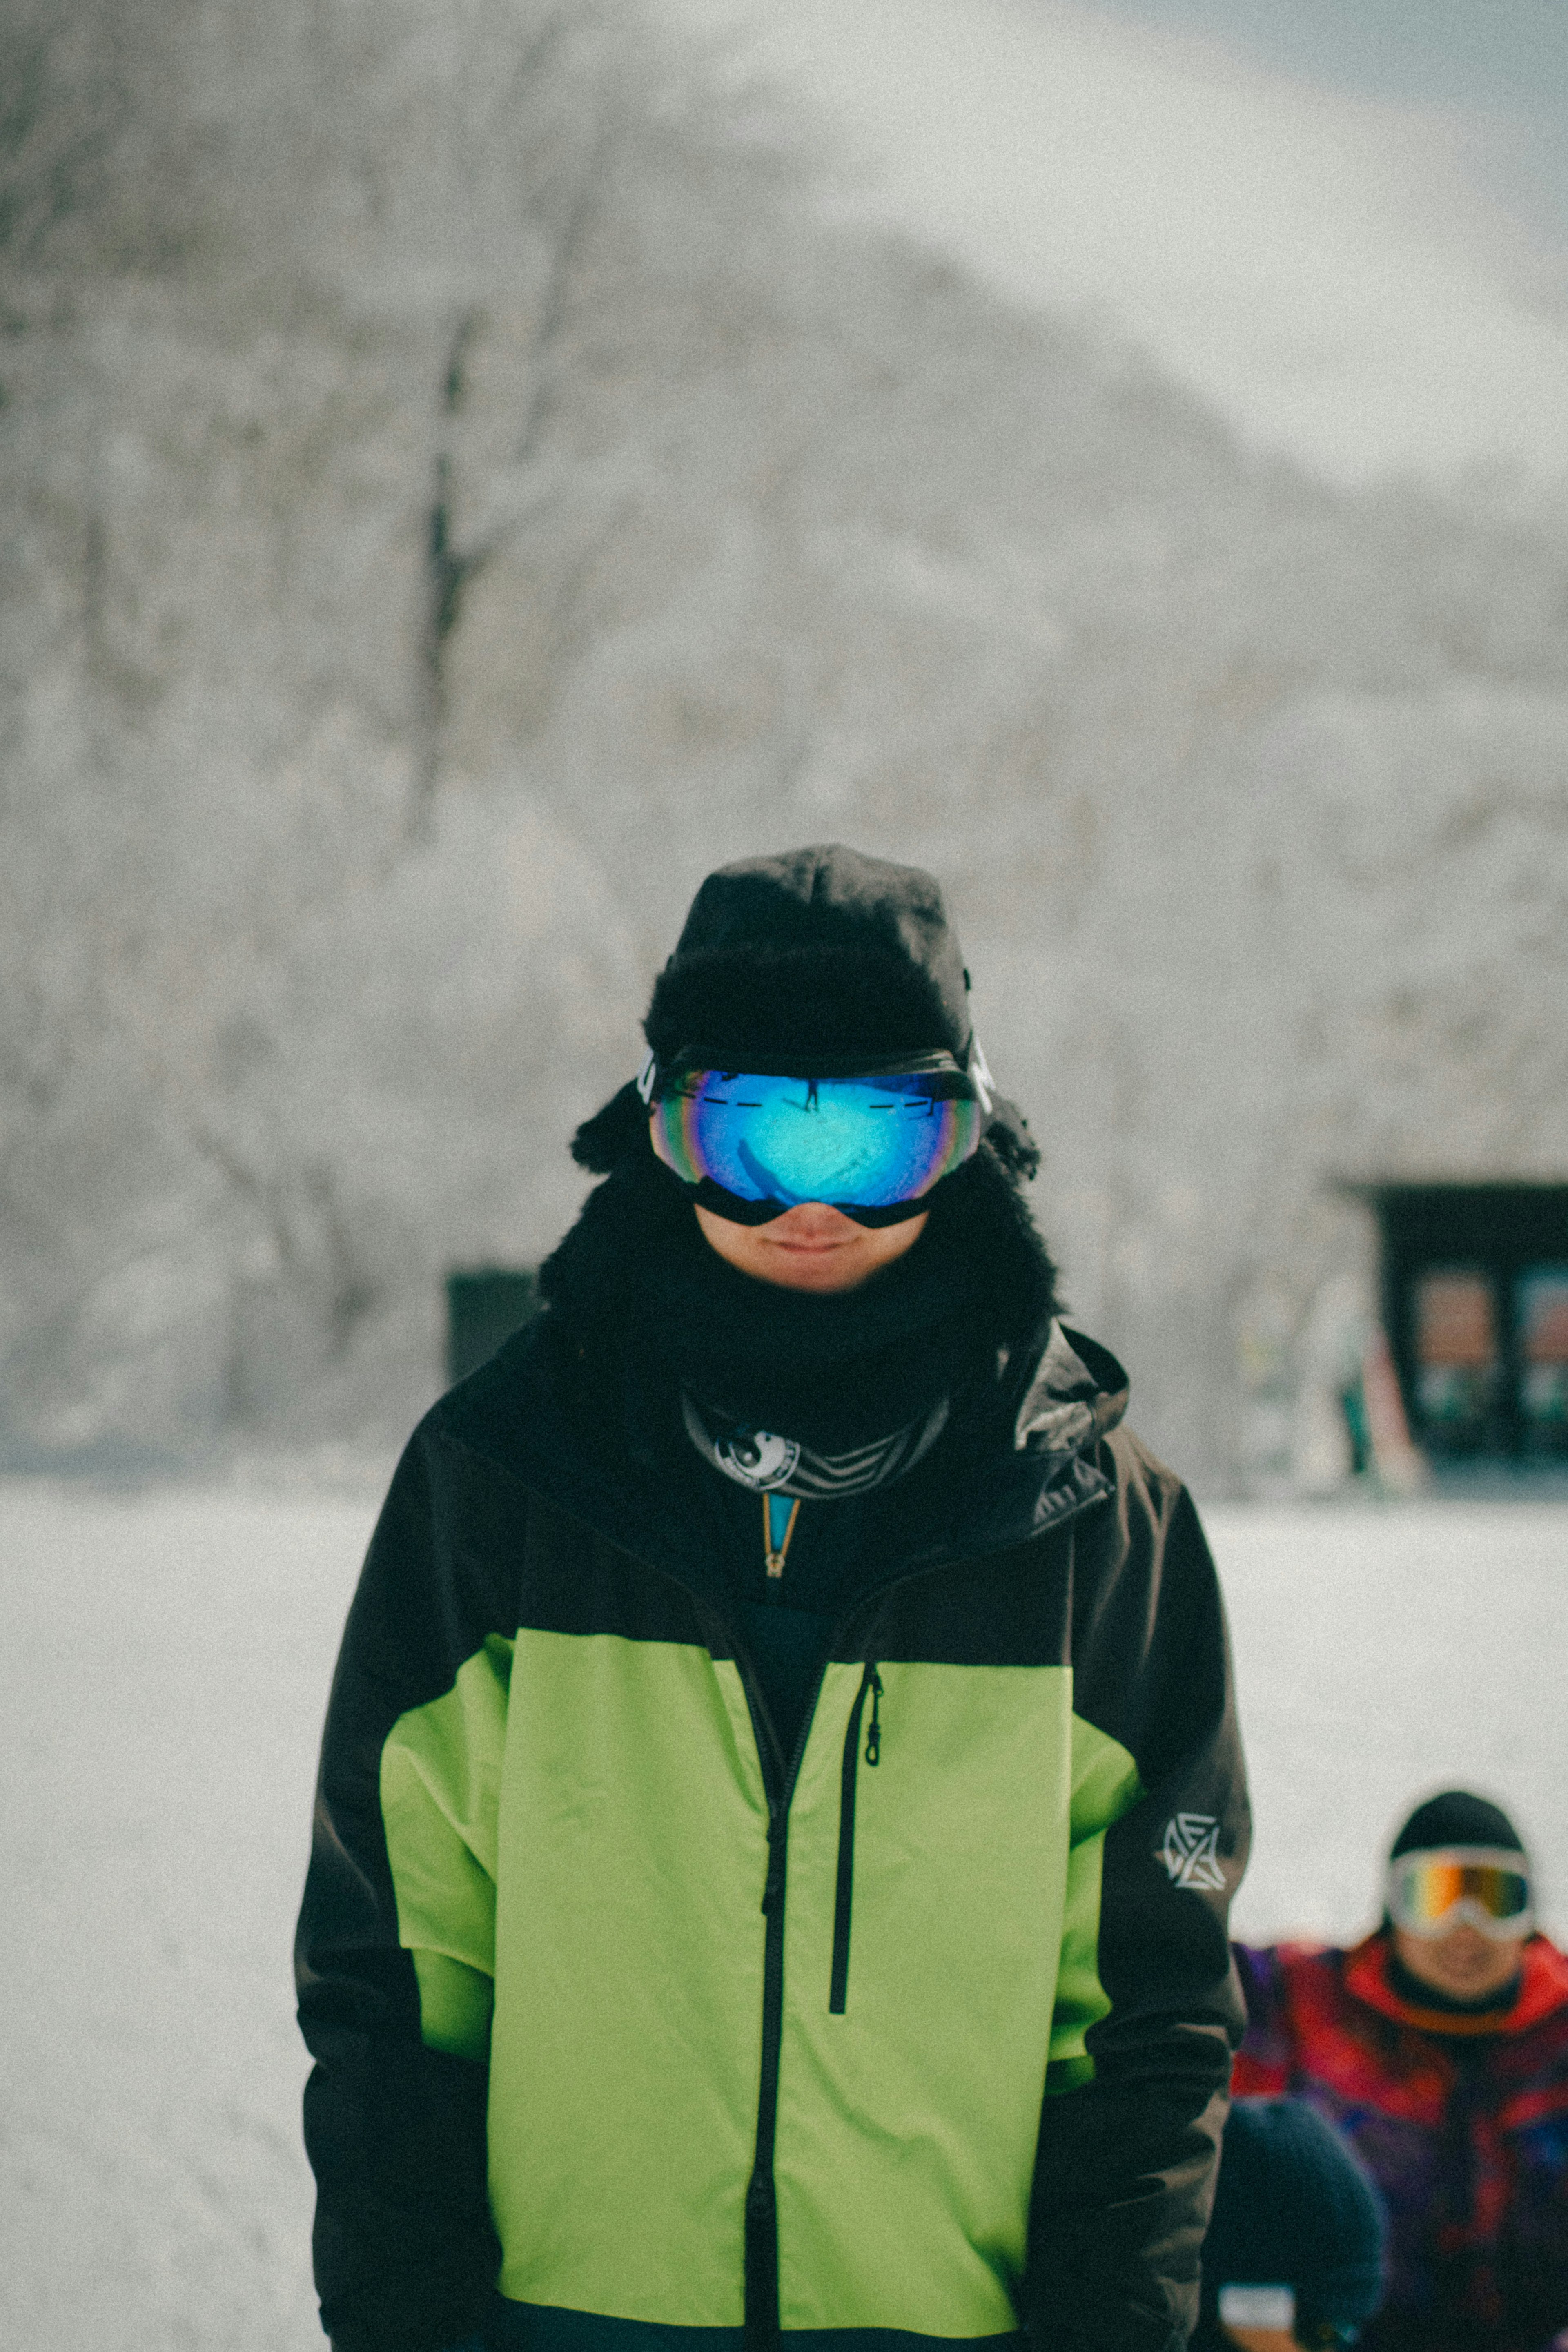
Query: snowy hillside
<point x="466" y="468"/>
<point x="161" y="1683"/>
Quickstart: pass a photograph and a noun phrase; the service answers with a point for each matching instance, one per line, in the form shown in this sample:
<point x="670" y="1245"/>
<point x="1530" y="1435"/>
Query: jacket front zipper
<point x="761" y="2197"/>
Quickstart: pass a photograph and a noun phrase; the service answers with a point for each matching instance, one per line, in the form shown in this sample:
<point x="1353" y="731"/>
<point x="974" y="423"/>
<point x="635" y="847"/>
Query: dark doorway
<point x="485" y="1305"/>
<point x="1475" y="1283"/>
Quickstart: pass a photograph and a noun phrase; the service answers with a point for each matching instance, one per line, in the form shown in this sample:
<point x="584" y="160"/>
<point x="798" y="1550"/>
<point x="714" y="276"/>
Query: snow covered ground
<point x="163" y="1666"/>
<point x="163" y="1675"/>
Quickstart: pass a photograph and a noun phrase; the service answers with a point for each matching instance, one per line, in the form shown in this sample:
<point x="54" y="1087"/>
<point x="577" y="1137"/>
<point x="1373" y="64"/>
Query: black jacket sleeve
<point x="405" y="2255"/>
<point x="1127" y="2162"/>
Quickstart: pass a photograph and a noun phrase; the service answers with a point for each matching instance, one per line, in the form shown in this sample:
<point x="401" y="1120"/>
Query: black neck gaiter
<point x="1422" y="1995"/>
<point x="948" y="1330"/>
<point x="834" y="1375"/>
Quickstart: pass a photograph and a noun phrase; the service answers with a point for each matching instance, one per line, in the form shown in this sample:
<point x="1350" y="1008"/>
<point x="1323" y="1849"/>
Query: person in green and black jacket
<point x="780" y="1794"/>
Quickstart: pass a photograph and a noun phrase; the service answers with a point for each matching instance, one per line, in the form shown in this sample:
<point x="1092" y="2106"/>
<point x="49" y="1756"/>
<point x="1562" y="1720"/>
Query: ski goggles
<point x="754" y="1145"/>
<point x="1272" y="2311"/>
<point x="1482" y="1886"/>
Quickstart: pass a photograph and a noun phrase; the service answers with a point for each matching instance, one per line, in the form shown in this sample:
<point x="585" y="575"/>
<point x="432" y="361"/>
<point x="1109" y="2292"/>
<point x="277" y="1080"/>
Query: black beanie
<point x="1454" y="1817"/>
<point x="1295" y="2207"/>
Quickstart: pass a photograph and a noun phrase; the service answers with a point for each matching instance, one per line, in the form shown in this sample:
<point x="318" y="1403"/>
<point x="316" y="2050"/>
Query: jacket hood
<point x="1078" y="1395"/>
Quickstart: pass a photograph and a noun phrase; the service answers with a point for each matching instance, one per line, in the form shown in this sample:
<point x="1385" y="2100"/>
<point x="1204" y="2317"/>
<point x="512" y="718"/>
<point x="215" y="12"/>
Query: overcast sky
<point x="1501" y="65"/>
<point x="1344" y="222"/>
<point x="1508" y="58"/>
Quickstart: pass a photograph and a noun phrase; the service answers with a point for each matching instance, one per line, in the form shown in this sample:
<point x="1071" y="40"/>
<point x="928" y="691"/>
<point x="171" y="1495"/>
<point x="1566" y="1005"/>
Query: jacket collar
<point x="525" y="1413"/>
<point x="1542" y="1990"/>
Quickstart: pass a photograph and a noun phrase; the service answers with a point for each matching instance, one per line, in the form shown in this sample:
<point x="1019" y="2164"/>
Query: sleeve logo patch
<point x="1191" y="1851"/>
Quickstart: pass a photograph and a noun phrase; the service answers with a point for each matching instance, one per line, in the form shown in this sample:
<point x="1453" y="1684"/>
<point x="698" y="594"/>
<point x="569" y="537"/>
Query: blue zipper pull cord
<point x="874" y="1734"/>
<point x="779" y="1512"/>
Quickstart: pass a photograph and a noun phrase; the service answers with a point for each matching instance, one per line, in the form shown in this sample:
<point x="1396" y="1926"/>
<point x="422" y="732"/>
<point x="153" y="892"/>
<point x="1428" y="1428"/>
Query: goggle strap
<point x="669" y="1070"/>
<point x="1505" y="1859"/>
<point x="738" y="1212"/>
<point x="979" y="1070"/>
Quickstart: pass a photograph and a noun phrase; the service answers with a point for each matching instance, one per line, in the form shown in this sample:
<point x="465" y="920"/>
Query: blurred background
<point x="471" y="465"/>
<point x="467" y="467"/>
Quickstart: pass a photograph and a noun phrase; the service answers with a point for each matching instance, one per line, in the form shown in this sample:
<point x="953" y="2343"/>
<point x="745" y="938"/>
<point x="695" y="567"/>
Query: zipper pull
<point x="779" y="1512"/>
<point x="873" y="1735"/>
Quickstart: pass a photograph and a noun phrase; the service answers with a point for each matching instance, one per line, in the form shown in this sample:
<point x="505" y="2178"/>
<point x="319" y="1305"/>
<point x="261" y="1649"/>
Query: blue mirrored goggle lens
<point x="865" y="1142"/>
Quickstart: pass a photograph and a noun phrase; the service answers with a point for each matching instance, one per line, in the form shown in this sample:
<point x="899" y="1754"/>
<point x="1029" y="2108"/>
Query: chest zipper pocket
<point x="871" y="1682"/>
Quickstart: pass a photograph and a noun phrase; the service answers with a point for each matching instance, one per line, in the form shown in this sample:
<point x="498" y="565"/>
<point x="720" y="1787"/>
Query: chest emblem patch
<point x="755" y="1457"/>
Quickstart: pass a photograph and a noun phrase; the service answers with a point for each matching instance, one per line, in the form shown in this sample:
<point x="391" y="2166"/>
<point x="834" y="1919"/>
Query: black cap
<point x="816" y="956"/>
<point x="1295" y="2207"/>
<point x="1454" y="1817"/>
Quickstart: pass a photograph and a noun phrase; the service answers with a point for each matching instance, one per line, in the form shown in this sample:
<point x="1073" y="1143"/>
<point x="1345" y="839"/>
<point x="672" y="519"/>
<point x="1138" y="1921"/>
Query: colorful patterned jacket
<point x="1464" y="2126"/>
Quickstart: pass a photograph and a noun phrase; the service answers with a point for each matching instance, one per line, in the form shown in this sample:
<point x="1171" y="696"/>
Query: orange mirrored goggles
<point x="1480" y="1886"/>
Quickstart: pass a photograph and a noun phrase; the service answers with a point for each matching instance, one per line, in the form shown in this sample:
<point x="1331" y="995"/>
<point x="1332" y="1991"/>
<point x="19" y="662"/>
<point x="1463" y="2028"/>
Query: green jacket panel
<point x="440" y="1789"/>
<point x="1105" y="1785"/>
<point x="907" y="2124"/>
<point x="622" y="1807"/>
<point x="624" y="2058"/>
